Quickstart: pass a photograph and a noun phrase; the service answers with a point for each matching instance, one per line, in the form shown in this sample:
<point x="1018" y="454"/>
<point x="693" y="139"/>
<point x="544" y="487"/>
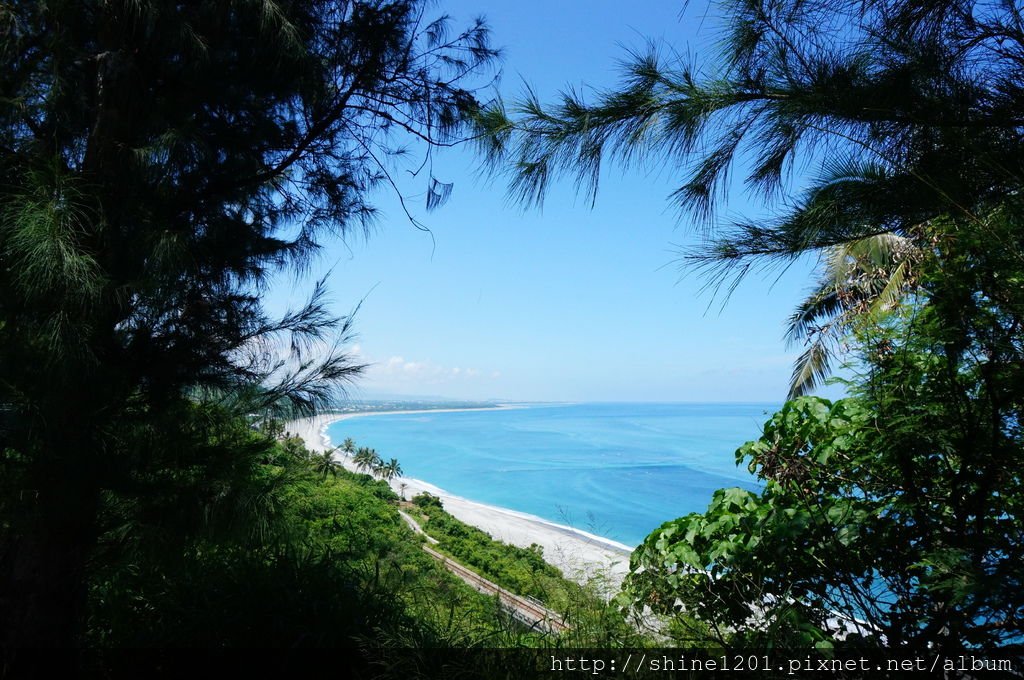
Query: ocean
<point x="615" y="470"/>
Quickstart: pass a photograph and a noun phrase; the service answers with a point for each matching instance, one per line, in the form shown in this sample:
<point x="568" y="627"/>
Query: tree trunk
<point x="42" y="593"/>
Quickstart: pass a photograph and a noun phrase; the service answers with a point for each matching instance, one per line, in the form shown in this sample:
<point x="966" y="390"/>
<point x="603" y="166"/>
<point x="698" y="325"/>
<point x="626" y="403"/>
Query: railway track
<point x="523" y="609"/>
<point x="526" y="610"/>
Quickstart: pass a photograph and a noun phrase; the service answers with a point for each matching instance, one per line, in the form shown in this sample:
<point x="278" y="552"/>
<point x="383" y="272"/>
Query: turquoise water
<point x="616" y="470"/>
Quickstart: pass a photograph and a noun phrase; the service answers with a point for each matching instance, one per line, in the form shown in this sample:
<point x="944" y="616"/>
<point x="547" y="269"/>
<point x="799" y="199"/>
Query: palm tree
<point x="348" y="446"/>
<point x="376" y="464"/>
<point x="325" y="464"/>
<point x="861" y="281"/>
<point x="363" y="459"/>
<point x="391" y="469"/>
<point x="367" y="460"/>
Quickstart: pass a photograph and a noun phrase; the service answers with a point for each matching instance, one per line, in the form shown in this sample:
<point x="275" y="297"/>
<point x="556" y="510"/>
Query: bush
<point x="427" y="501"/>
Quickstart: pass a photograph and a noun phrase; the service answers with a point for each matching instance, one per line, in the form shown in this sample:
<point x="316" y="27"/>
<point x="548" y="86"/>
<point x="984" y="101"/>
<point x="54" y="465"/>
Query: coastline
<point x="580" y="555"/>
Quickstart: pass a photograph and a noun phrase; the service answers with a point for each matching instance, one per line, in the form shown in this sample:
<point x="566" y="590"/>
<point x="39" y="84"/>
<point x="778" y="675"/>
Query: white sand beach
<point x="580" y="555"/>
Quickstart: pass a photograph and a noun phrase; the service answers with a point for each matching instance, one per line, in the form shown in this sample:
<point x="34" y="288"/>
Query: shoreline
<point x="580" y="555"/>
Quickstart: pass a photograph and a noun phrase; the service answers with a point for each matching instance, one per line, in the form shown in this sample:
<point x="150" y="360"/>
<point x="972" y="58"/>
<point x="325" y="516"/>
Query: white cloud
<point x="397" y="370"/>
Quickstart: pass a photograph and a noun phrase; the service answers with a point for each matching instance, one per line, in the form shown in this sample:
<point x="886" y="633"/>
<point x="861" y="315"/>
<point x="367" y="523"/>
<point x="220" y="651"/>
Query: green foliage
<point x="896" y="511"/>
<point x="367" y="460"/>
<point x="521" y="570"/>
<point x="862" y="281"/>
<point x="325" y="464"/>
<point x="378" y="487"/>
<point x="427" y="502"/>
<point x="160" y="162"/>
<point x="391" y="469"/>
<point x="338" y="569"/>
<point x="849" y="121"/>
<point x="593" y="620"/>
<point x="774" y="566"/>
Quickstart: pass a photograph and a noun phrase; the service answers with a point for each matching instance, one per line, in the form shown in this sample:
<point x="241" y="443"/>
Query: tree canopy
<point x="159" y="162"/>
<point x="894" y="514"/>
<point x="849" y="119"/>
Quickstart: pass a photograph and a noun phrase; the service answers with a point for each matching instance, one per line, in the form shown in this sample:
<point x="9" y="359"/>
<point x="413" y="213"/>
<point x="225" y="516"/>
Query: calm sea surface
<point x="617" y="470"/>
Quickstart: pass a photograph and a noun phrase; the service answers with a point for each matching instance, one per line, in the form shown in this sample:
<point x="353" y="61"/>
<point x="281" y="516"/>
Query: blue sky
<point x="569" y="303"/>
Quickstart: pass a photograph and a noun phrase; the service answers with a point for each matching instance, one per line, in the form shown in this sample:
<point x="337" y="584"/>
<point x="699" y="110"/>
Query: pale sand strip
<point x="580" y="555"/>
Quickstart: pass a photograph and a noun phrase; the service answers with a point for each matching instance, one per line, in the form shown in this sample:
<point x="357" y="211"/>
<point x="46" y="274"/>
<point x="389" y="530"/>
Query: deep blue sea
<point x="616" y="470"/>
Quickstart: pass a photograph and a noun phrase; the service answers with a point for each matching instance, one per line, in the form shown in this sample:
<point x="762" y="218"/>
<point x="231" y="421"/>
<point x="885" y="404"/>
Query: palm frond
<point x="822" y="304"/>
<point x="894" y="291"/>
<point x="810" y="369"/>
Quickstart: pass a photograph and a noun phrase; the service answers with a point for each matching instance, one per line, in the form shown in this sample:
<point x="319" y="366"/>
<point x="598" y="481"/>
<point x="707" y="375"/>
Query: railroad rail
<point x="524" y="609"/>
<point x="521" y="608"/>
